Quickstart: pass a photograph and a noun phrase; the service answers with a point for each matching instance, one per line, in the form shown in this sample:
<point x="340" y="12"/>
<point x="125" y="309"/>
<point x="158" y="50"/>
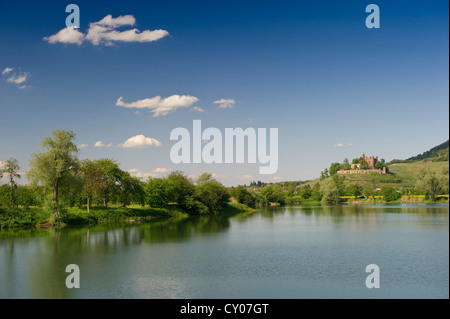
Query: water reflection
<point x="32" y="261"/>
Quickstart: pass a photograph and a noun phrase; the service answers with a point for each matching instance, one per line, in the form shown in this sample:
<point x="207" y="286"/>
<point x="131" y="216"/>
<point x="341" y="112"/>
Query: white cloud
<point x="246" y="176"/>
<point x="82" y="146"/>
<point x="277" y="178"/>
<point x="160" y="106"/>
<point x="139" y="141"/>
<point x="161" y="170"/>
<point x="225" y="103"/>
<point x="100" y="144"/>
<point x="18" y="78"/>
<point x="143" y="175"/>
<point x="197" y="109"/>
<point x="66" y="35"/>
<point x="104" y="32"/>
<point x="7" y="70"/>
<point x="342" y="145"/>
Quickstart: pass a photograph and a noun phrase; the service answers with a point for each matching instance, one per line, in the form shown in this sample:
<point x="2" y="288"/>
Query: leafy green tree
<point x="334" y="168"/>
<point x="432" y="184"/>
<point x="204" y="178"/>
<point x="330" y="195"/>
<point x="305" y="192"/>
<point x="390" y="194"/>
<point x="25" y="196"/>
<point x="273" y="193"/>
<point x="93" y="176"/>
<point x="180" y="189"/>
<point x="11" y="168"/>
<point x="316" y="193"/>
<point x="213" y="195"/>
<point x="156" y="192"/>
<point x="354" y="190"/>
<point x="49" y="168"/>
<point x="130" y="190"/>
<point x="338" y="182"/>
<point x="346" y="164"/>
<point x="111" y="179"/>
<point x="291" y="190"/>
<point x="244" y="196"/>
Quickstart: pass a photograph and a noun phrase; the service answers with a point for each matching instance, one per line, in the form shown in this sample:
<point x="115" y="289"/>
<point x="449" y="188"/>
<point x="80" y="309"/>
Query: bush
<point x="390" y="193"/>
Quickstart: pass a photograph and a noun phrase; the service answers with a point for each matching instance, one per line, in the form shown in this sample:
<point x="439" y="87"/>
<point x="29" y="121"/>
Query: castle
<point x="370" y="160"/>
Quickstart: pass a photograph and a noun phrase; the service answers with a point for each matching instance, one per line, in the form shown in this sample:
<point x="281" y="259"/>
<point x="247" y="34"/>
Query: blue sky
<point x="332" y="87"/>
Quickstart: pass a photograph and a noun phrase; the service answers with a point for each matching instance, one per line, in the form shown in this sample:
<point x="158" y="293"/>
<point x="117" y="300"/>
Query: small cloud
<point x="342" y="145"/>
<point x="100" y="144"/>
<point x="142" y="175"/>
<point x="82" y="146"/>
<point x="7" y="70"/>
<point x="139" y="141"/>
<point x="18" y="78"/>
<point x="160" y="170"/>
<point x="246" y="176"/>
<point x="160" y="106"/>
<point x="277" y="178"/>
<point x="225" y="103"/>
<point x="197" y="109"/>
<point x="67" y="36"/>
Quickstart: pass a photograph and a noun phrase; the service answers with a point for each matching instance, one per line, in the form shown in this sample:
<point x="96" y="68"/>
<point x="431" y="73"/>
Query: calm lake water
<point x="289" y="252"/>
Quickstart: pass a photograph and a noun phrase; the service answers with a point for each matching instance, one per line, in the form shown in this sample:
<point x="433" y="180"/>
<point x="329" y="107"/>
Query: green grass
<point x="113" y="214"/>
<point x="37" y="216"/>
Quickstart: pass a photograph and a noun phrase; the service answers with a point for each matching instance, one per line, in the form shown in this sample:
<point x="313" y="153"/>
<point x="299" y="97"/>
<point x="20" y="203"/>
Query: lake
<point x="283" y="252"/>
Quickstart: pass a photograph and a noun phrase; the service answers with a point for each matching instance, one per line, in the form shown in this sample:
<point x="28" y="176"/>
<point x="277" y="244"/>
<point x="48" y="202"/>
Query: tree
<point x="354" y="190"/>
<point x="213" y="195"/>
<point x="204" y="178"/>
<point x="130" y="189"/>
<point x="331" y="195"/>
<point x="93" y="178"/>
<point x="431" y="183"/>
<point x="11" y="168"/>
<point x="49" y="168"/>
<point x="180" y="189"/>
<point x="389" y="193"/>
<point x="243" y="196"/>
<point x="273" y="193"/>
<point x="338" y="182"/>
<point x="334" y="167"/>
<point x="156" y="192"/>
<point x="110" y="180"/>
<point x="346" y="164"/>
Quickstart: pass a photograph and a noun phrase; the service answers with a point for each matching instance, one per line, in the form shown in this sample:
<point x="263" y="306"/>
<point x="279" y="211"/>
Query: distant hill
<point x="434" y="152"/>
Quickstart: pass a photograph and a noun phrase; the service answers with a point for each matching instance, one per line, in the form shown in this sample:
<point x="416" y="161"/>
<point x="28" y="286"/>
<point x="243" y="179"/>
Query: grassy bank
<point x="39" y="217"/>
<point x="36" y="216"/>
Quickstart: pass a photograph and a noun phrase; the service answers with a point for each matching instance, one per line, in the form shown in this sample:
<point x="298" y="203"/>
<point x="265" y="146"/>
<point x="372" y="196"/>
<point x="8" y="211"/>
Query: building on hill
<point x="356" y="168"/>
<point x="372" y="161"/>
